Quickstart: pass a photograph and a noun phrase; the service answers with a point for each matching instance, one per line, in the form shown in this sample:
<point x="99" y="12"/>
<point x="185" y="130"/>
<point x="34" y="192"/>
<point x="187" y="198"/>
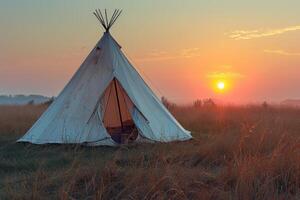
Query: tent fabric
<point x="76" y="115"/>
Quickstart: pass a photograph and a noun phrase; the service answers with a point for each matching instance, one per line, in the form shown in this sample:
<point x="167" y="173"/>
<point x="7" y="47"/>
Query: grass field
<point x="238" y="152"/>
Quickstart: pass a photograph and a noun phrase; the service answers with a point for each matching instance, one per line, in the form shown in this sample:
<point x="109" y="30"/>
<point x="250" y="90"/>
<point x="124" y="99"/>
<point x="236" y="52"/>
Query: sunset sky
<point x="181" y="48"/>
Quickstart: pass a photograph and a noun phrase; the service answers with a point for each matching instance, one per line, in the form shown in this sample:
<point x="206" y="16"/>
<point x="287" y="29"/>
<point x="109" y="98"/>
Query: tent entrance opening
<point x="117" y="118"/>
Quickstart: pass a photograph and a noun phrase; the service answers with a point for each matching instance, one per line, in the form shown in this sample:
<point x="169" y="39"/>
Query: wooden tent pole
<point x="120" y="115"/>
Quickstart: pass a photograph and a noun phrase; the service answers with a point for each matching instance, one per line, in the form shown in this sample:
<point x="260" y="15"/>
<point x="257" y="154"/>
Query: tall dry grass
<point x="16" y="120"/>
<point x="238" y="152"/>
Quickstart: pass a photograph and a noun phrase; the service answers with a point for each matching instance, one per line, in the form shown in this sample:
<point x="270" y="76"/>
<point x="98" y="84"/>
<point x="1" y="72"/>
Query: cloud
<point x="160" y="55"/>
<point x="220" y="75"/>
<point x="252" y="34"/>
<point x="191" y="52"/>
<point x="164" y="55"/>
<point x="281" y="52"/>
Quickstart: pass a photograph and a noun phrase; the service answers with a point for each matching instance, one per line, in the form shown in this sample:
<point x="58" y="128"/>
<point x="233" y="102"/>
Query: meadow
<point x="238" y="152"/>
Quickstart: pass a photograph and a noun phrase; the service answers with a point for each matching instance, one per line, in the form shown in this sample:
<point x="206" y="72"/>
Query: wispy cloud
<point x="160" y="55"/>
<point x="281" y="52"/>
<point x="167" y="55"/>
<point x="190" y="52"/>
<point x="252" y="34"/>
<point x="225" y="75"/>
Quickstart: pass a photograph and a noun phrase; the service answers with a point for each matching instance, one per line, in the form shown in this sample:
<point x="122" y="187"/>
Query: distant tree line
<point x="197" y="104"/>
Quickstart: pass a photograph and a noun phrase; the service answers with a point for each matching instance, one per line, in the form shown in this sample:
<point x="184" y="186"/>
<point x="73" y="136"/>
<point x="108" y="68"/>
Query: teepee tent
<point x="106" y="103"/>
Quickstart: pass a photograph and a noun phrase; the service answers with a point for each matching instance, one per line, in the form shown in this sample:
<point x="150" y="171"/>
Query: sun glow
<point x="220" y="85"/>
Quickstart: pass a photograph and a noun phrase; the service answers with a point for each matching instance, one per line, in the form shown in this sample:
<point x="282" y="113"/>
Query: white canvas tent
<point x="106" y="103"/>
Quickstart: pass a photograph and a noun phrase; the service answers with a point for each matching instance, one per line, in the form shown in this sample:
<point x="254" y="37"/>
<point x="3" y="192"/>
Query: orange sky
<point x="181" y="48"/>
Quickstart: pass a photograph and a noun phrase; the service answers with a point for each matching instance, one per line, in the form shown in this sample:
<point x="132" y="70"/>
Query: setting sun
<point x="221" y="85"/>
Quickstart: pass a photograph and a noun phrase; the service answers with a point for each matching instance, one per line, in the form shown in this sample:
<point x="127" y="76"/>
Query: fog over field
<point x="22" y="99"/>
